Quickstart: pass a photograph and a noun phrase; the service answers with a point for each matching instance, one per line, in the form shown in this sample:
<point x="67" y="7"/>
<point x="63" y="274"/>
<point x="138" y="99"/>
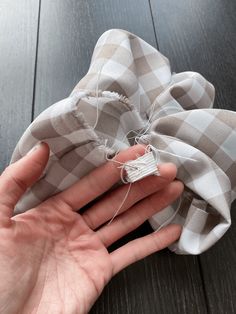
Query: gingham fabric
<point x="130" y="91"/>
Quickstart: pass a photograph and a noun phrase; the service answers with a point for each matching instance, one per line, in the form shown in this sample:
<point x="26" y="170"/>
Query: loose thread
<point x="171" y="217"/>
<point x="184" y="195"/>
<point x="175" y="155"/>
<point x="142" y="131"/>
<point x="122" y="203"/>
<point x="151" y="114"/>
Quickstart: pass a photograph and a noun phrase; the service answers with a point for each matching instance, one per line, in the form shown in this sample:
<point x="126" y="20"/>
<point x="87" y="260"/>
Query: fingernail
<point x="34" y="148"/>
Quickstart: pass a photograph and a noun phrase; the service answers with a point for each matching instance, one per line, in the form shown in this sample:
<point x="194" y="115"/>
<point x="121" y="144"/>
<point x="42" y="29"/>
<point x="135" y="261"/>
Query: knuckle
<point x="158" y="242"/>
<point x="13" y="179"/>
<point x="19" y="182"/>
<point x="88" y="220"/>
<point x="36" y="165"/>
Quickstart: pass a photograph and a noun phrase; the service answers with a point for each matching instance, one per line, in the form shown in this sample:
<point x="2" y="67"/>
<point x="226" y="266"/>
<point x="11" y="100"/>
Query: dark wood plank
<point x="18" y="25"/>
<point x="162" y="283"/>
<point x="219" y="271"/>
<point x="201" y="36"/>
<point x="69" y="31"/>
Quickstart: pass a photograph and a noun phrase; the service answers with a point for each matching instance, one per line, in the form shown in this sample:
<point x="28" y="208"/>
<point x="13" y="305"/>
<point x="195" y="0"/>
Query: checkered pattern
<point x="131" y="87"/>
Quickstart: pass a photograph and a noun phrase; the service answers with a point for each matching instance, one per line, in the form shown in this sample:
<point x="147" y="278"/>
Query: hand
<point x="54" y="260"/>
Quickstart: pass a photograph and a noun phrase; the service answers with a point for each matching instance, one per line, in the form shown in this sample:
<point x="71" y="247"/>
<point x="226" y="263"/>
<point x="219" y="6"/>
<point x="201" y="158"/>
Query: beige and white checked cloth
<point x="130" y="87"/>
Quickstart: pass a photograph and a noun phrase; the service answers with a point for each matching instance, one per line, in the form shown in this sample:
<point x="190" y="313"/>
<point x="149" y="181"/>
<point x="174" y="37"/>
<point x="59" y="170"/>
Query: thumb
<point x="20" y="175"/>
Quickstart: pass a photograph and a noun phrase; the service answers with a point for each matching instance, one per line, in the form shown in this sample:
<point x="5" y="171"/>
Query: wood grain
<point x="18" y="33"/>
<point x="68" y="33"/>
<point x="219" y="272"/>
<point x="200" y="36"/>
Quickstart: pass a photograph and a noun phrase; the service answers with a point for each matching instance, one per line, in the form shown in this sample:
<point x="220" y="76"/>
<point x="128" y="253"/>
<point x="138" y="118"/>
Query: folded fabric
<point x="129" y="92"/>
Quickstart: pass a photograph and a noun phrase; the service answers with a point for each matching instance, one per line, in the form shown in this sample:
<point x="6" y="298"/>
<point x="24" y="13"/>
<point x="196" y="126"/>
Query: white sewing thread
<point x="176" y="155"/>
<point x="164" y="151"/>
<point x="168" y="220"/>
<point x="137" y="169"/>
<point x="148" y="122"/>
<point x="145" y="128"/>
<point x="141" y="132"/>
<point x="141" y="167"/>
<point x="122" y="203"/>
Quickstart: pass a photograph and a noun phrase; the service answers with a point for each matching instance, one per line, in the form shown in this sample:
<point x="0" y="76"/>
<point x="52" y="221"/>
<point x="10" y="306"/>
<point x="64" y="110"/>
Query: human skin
<point x="55" y="260"/>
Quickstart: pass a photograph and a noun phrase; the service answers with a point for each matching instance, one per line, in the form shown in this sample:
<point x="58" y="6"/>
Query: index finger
<point x="98" y="181"/>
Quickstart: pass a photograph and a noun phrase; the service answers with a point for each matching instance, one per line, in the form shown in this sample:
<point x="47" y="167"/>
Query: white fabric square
<point x="203" y="120"/>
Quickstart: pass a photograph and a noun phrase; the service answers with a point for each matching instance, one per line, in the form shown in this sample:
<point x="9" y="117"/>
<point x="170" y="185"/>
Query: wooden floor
<point x="45" y="49"/>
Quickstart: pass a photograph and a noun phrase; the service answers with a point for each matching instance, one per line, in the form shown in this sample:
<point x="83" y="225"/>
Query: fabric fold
<point x="130" y="94"/>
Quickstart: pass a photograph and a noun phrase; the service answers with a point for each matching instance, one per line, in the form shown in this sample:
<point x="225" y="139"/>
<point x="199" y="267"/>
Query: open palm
<point x="55" y="260"/>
